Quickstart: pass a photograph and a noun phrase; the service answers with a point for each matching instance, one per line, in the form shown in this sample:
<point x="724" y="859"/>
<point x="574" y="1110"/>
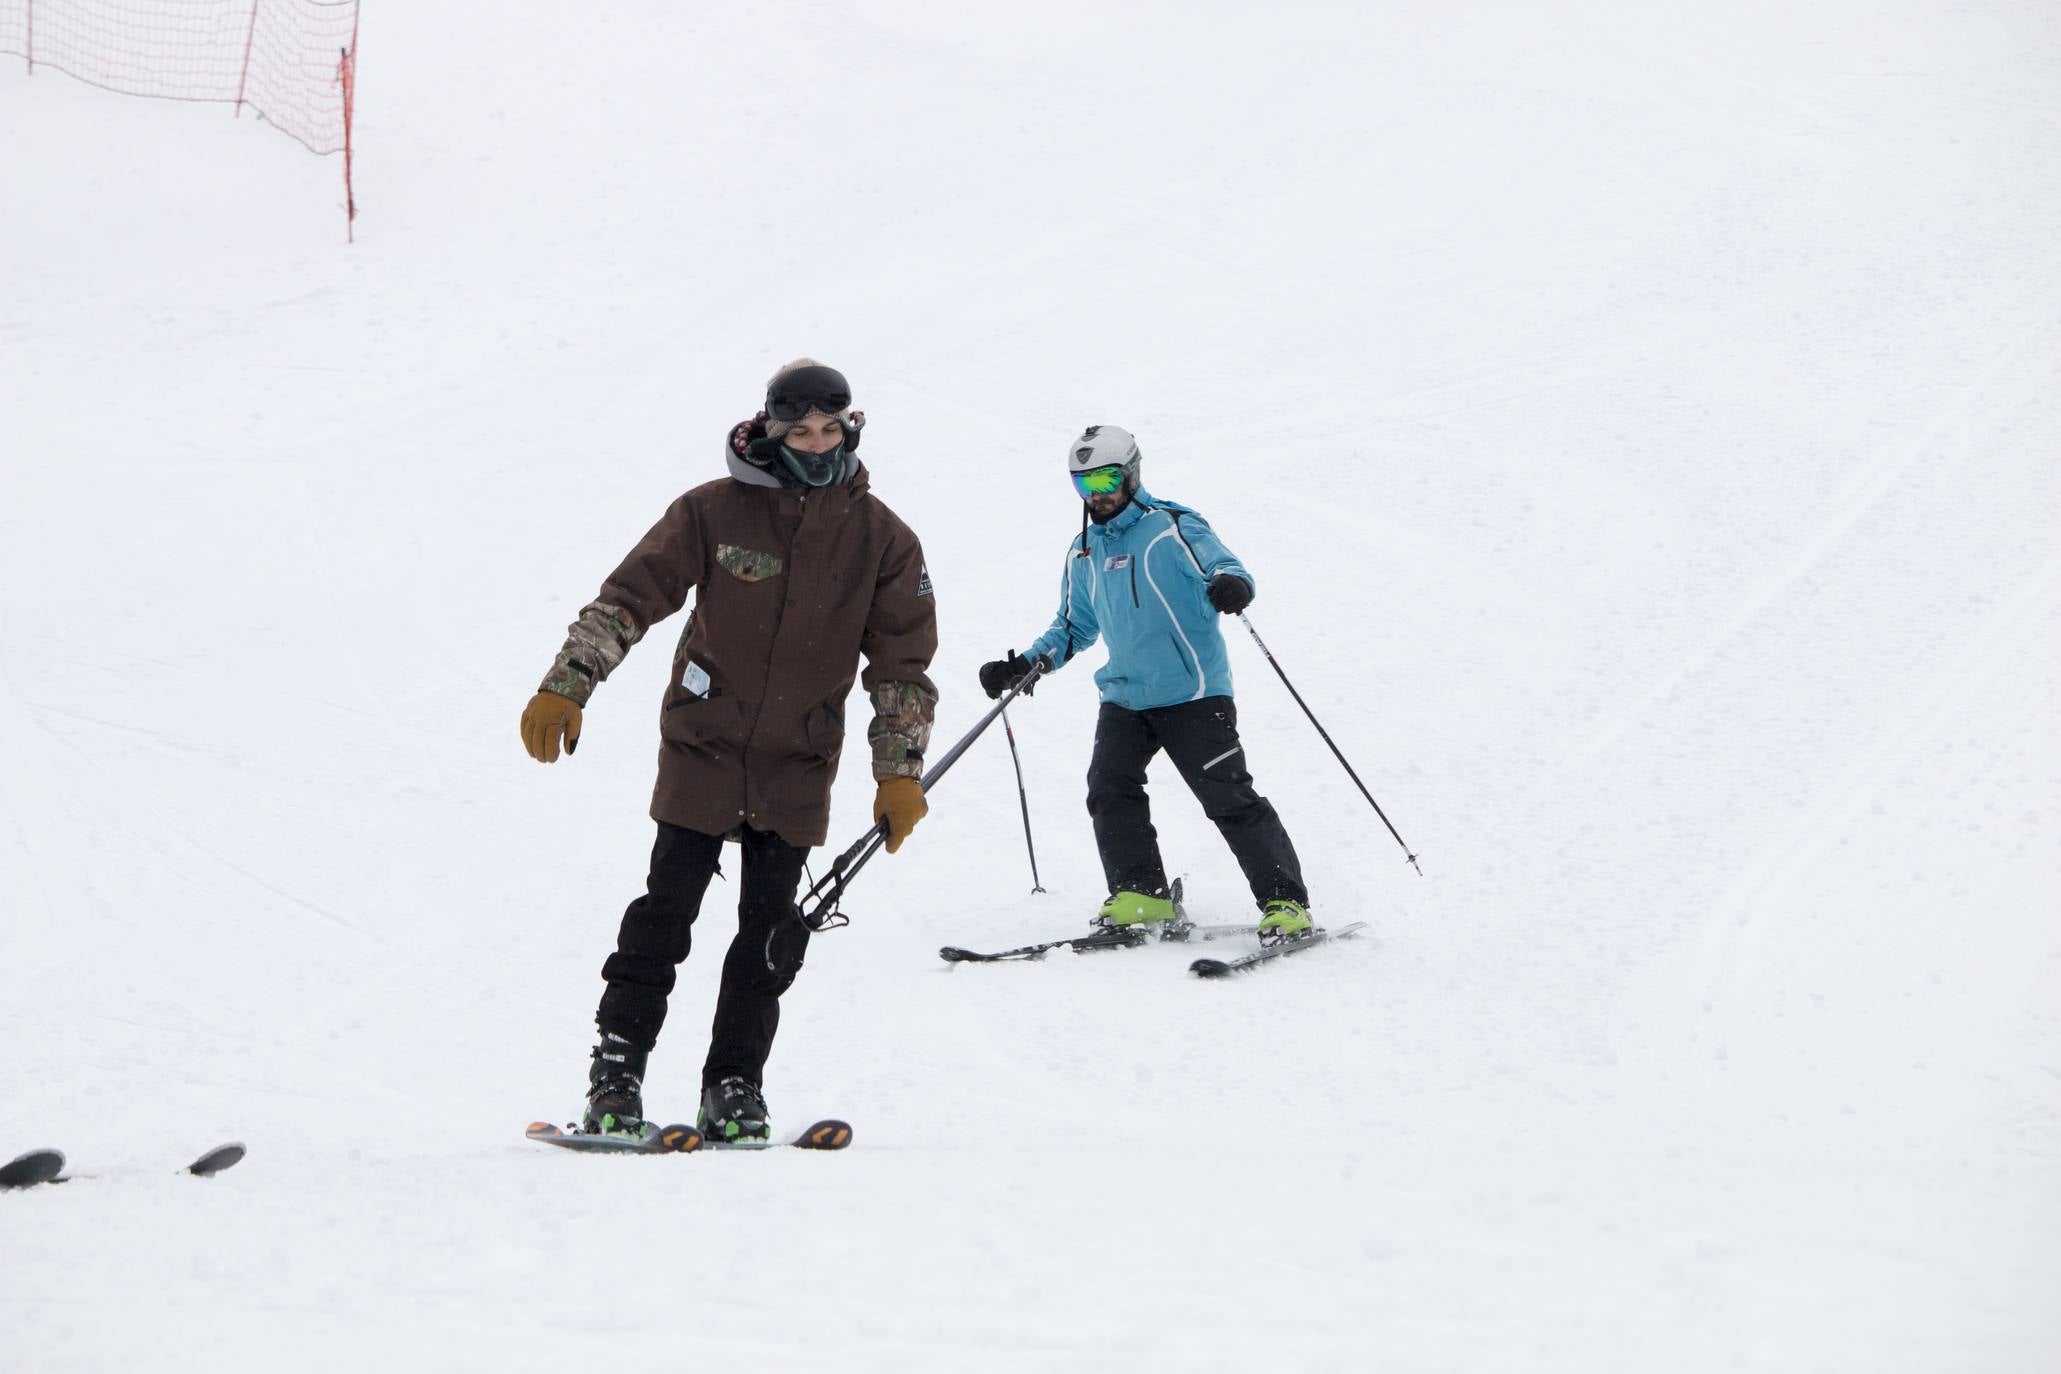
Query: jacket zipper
<point x="1134" y="584"/>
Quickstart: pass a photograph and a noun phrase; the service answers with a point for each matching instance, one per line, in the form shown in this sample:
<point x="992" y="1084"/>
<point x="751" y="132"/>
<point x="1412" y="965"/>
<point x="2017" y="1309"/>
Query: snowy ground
<point x="1643" y="422"/>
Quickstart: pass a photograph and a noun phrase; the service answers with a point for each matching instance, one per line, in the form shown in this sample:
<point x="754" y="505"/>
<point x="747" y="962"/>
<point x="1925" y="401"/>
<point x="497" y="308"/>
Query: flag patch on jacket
<point x="1117" y="562"/>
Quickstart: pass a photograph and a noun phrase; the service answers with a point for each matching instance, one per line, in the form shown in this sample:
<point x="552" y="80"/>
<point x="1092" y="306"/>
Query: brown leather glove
<point x="900" y="803"/>
<point x="547" y="719"/>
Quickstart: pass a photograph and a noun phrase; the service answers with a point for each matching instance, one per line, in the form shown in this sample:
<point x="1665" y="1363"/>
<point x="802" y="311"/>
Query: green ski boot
<point x="1136" y="909"/>
<point x="1284" y="920"/>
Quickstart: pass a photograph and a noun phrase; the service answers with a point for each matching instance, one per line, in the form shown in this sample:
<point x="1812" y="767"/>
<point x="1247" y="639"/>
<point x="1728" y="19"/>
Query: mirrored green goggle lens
<point x="1098" y="481"/>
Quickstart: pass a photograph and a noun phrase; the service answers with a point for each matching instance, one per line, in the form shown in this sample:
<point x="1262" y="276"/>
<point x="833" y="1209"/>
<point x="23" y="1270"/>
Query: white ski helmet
<point x="1103" y="446"/>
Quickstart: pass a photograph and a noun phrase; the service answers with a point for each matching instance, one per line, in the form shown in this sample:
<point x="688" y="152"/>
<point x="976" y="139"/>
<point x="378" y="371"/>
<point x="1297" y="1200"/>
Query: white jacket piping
<point x="1201" y="684"/>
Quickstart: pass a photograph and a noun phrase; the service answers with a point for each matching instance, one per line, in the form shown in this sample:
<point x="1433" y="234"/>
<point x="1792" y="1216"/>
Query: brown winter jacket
<point x="791" y="586"/>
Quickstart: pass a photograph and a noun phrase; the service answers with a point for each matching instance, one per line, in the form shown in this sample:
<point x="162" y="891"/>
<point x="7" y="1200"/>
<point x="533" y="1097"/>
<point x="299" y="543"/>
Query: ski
<point x="828" y="1134"/>
<point x="47" y="1166"/>
<point x="1080" y="944"/>
<point x="1103" y="937"/>
<point x="216" y="1160"/>
<point x="27" y="1170"/>
<point x="652" y="1140"/>
<point x="1221" y="968"/>
<point x="1124" y="937"/>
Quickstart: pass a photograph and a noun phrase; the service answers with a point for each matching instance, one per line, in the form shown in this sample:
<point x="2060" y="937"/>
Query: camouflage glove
<point x="900" y="803"/>
<point x="547" y="719"/>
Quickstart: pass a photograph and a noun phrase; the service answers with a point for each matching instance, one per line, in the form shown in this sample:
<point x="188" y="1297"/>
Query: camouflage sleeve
<point x="649" y="585"/>
<point x="900" y="639"/>
<point x="900" y="732"/>
<point x="595" y="645"/>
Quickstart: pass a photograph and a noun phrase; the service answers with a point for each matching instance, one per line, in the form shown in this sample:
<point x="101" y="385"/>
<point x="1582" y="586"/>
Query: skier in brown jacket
<point x="797" y="570"/>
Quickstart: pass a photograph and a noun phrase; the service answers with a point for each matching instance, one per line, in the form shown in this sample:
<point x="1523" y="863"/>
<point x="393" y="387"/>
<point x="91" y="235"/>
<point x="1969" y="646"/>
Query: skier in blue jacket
<point x="1150" y="578"/>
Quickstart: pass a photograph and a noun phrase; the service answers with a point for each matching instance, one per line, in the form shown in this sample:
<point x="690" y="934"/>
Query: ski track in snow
<point x="1642" y="426"/>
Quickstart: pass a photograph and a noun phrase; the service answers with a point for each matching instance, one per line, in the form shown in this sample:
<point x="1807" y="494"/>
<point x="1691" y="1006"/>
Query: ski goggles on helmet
<point x="1099" y="481"/>
<point x="805" y="389"/>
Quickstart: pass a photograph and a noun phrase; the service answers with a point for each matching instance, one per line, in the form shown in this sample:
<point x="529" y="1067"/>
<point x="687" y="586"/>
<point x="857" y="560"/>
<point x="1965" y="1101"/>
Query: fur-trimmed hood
<point x="750" y="452"/>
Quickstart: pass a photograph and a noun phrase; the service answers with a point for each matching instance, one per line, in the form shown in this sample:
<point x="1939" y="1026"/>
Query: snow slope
<point x="1642" y="420"/>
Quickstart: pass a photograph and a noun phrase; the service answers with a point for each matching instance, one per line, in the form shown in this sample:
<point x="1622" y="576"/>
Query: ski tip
<point x="1209" y="968"/>
<point x="216" y="1160"/>
<point x="825" y="1135"/>
<point x="952" y="954"/>
<point x="541" y="1130"/>
<point x="681" y="1139"/>
<point x="27" y="1170"/>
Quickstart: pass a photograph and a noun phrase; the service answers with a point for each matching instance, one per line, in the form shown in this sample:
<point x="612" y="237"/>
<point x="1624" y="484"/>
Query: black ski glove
<point x="1001" y="674"/>
<point x="1229" y="593"/>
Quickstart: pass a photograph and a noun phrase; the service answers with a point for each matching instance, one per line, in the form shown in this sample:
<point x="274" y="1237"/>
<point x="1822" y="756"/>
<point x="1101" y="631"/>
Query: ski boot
<point x="1145" y="913"/>
<point x="1282" y="920"/>
<point x="1127" y="908"/>
<point x="733" y="1113"/>
<point x="615" y="1088"/>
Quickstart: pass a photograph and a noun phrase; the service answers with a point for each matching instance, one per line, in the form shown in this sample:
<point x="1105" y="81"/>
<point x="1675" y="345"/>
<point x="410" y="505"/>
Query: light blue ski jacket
<point x="1139" y="582"/>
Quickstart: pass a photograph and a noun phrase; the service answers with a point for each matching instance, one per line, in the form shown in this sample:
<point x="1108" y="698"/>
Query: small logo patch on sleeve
<point x="923" y="582"/>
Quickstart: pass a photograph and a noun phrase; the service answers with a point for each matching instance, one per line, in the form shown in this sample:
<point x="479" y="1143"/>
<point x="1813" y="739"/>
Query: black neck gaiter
<point x="812" y="469"/>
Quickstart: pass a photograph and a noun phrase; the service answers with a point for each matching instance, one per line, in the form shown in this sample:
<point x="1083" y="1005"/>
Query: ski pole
<point x="1327" y="740"/>
<point x="1022" y="800"/>
<point x="818" y="909"/>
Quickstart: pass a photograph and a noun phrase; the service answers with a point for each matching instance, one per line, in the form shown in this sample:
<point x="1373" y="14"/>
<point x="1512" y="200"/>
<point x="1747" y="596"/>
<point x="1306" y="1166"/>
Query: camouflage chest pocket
<point x="747" y="565"/>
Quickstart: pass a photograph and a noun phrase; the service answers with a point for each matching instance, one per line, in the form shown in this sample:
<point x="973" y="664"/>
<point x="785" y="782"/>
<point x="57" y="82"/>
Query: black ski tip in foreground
<point x="216" y="1160"/>
<point x="47" y="1166"/>
<point x="27" y="1170"/>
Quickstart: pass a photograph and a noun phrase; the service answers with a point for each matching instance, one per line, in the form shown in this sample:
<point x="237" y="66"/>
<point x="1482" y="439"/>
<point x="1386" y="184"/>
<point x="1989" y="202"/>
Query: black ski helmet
<point x="802" y="388"/>
<point x="806" y="385"/>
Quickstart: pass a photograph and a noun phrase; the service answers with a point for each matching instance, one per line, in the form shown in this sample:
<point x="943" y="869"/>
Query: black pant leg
<point x="655" y="934"/>
<point x="748" y="1006"/>
<point x="1201" y="737"/>
<point x="1124" y="744"/>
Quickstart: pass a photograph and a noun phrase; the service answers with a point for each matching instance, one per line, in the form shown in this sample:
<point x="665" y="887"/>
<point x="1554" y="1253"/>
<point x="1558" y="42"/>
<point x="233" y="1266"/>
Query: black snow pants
<point x="655" y="938"/>
<point x="1201" y="737"/>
